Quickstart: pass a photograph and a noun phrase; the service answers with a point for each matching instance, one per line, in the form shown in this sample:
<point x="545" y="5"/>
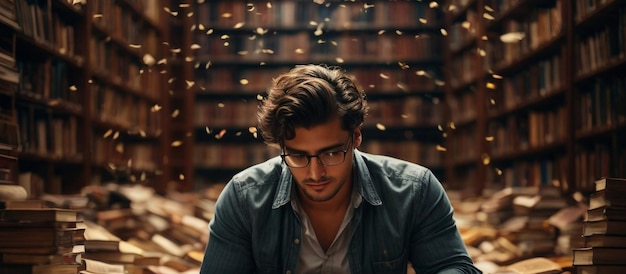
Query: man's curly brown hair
<point x="307" y="96"/>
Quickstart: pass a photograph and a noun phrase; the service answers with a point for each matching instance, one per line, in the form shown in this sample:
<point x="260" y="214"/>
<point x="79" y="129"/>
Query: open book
<point x="537" y="265"/>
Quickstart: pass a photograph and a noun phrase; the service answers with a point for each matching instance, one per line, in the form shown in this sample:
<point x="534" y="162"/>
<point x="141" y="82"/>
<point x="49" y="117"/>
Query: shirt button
<point x="296" y="241"/>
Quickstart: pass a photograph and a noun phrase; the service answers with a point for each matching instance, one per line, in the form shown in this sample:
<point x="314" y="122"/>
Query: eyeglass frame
<point x="308" y="157"/>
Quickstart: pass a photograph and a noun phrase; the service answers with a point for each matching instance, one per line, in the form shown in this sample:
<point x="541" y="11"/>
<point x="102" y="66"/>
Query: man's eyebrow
<point x="297" y="151"/>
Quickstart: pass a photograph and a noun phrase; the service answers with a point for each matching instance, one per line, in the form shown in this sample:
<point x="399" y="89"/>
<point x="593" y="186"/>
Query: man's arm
<point x="230" y="248"/>
<point x="436" y="245"/>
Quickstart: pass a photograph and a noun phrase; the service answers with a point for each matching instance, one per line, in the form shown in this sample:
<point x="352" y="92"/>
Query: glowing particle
<point x="148" y="59"/>
<point x="486" y="159"/>
<point x="177" y="143"/>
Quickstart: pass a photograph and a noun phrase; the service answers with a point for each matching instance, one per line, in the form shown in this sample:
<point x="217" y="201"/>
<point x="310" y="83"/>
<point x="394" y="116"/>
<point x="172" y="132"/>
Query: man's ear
<point x="358" y="137"/>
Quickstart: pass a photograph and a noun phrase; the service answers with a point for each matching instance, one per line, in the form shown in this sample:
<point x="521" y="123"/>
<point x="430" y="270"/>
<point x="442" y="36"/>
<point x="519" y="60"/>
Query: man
<point x="323" y="206"/>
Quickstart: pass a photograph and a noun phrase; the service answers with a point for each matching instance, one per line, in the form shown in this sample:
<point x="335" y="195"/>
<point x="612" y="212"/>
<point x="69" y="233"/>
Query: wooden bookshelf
<point x="543" y="80"/>
<point x="598" y="107"/>
<point x="465" y="95"/>
<point x="181" y="96"/>
<point x="91" y="102"/>
<point x="392" y="47"/>
<point x="9" y="81"/>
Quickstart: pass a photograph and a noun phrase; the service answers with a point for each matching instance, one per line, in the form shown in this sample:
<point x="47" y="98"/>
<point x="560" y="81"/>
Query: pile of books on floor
<point x="604" y="230"/>
<point x="37" y="240"/>
<point x="527" y="227"/>
<point x="514" y="223"/>
<point x="107" y="229"/>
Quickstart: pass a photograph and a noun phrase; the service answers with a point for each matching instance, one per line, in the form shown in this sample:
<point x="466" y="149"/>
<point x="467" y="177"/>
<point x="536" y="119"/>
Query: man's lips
<point x="318" y="186"/>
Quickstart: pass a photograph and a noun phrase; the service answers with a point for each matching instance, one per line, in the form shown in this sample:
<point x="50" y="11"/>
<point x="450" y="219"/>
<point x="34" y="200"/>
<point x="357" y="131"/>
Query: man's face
<point x="317" y="182"/>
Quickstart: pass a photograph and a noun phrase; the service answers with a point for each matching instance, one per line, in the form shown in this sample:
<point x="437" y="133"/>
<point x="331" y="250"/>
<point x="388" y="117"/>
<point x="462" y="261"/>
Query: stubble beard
<point x="314" y="196"/>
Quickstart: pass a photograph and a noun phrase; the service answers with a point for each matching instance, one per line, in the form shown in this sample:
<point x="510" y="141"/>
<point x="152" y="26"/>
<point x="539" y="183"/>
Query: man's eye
<point x="330" y="154"/>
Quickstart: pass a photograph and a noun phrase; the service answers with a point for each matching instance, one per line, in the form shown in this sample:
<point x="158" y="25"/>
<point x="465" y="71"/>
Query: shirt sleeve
<point x="436" y="245"/>
<point x="229" y="247"/>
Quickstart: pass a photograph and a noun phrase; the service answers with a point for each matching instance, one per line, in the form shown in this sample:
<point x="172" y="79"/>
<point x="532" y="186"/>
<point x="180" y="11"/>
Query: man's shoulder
<point x="394" y="167"/>
<point x="265" y="173"/>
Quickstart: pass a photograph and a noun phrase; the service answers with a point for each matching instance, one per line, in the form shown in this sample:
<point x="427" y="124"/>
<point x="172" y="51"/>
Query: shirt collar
<point x="363" y="181"/>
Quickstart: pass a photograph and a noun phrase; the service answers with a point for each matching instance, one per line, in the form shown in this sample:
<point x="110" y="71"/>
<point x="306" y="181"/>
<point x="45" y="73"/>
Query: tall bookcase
<point x="535" y="93"/>
<point x="598" y="43"/>
<point x="181" y="96"/>
<point x="91" y="98"/>
<point x="9" y="79"/>
<point x="393" y="48"/>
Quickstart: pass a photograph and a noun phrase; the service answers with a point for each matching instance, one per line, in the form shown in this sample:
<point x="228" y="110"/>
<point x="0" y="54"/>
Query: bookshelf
<point x="9" y="80"/>
<point x="181" y="96"/>
<point x="390" y="46"/>
<point x="598" y="41"/>
<point x="544" y="79"/>
<point x="90" y="102"/>
<point x="464" y="94"/>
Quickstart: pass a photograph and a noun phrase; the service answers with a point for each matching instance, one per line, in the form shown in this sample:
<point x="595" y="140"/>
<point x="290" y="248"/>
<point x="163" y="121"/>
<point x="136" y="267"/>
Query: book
<point x="56" y="268"/>
<point x="123" y="258"/>
<point x="12" y="192"/>
<point x="40" y="237"/>
<point x="607" y="198"/>
<point x="37" y="259"/>
<point x="39" y="215"/>
<point x="112" y="257"/>
<point x="606" y="213"/>
<point x="604" y="227"/>
<point x="536" y="265"/>
<point x="195" y="255"/>
<point x="39" y="250"/>
<point x="538" y="205"/>
<point x="94" y="245"/>
<point x="69" y="201"/>
<point x="98" y="267"/>
<point x="18" y="224"/>
<point x="599" y="255"/>
<point x="567" y="217"/>
<point x="21" y="204"/>
<point x="599" y="269"/>
<point x="93" y="266"/>
<point x="618" y="184"/>
<point x="594" y="240"/>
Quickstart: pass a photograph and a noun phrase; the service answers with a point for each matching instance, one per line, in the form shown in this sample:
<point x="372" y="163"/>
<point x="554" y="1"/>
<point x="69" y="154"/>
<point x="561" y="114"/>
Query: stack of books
<point x="107" y="249"/>
<point x="142" y="231"/>
<point x="10" y="188"/>
<point x="604" y="230"/>
<point x="40" y="240"/>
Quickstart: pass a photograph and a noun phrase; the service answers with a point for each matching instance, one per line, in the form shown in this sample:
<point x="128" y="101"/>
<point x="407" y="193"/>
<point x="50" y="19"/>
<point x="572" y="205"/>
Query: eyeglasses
<point x="329" y="158"/>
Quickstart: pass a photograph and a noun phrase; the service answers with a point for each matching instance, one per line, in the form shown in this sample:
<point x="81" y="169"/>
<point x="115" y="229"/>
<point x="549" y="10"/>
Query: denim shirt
<point x="405" y="217"/>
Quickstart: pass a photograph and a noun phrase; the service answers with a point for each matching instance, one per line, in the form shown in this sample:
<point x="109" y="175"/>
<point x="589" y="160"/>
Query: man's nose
<point x="316" y="168"/>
